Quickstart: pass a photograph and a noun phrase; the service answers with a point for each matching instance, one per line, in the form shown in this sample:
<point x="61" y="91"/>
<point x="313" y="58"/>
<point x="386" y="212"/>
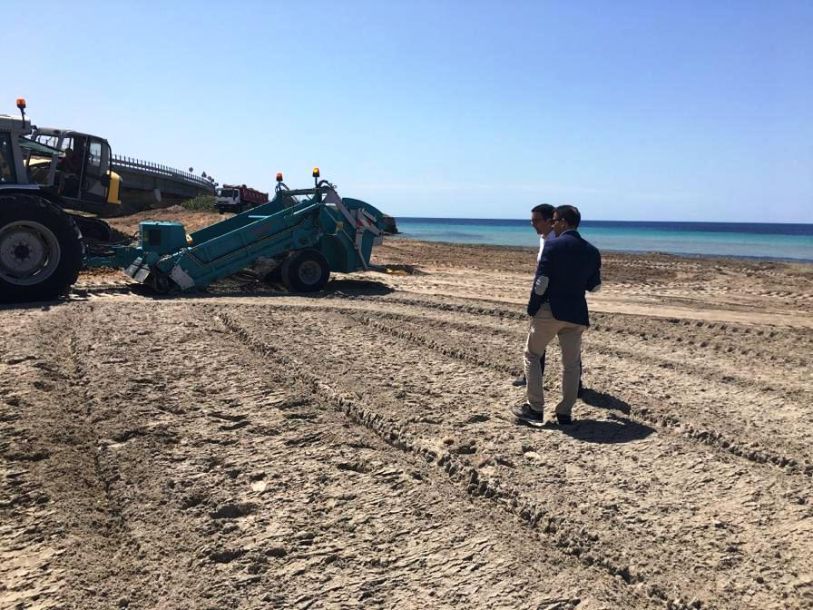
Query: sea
<point x="789" y="242"/>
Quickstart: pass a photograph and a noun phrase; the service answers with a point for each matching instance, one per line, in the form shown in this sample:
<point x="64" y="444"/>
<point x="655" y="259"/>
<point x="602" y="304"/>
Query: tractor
<point x="41" y="245"/>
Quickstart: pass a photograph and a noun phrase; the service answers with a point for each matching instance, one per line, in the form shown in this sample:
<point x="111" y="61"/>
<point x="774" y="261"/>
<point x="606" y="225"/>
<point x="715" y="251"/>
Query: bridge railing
<point x="156" y="169"/>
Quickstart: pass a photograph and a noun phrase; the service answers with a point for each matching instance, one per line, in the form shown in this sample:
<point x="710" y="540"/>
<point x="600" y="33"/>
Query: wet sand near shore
<point x="250" y="448"/>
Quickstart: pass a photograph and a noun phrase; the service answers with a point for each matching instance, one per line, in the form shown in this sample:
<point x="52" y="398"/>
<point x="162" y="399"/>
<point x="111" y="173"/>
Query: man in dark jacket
<point x="568" y="267"/>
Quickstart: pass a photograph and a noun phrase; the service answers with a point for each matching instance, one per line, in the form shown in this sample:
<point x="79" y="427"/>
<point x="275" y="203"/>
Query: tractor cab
<point x="8" y="170"/>
<point x="12" y="130"/>
<point x="75" y="165"/>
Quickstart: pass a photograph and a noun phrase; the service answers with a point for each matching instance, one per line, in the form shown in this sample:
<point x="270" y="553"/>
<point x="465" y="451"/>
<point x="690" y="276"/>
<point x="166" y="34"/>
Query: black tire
<point x="93" y="229"/>
<point x="160" y="283"/>
<point x="41" y="249"/>
<point x="305" y="271"/>
<point x="274" y="276"/>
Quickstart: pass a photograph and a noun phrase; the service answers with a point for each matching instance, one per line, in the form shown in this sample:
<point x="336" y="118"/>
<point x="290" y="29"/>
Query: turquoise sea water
<point x="769" y="241"/>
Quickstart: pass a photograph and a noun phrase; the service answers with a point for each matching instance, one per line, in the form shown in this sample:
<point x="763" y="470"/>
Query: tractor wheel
<point x="305" y="271"/>
<point x="41" y="249"/>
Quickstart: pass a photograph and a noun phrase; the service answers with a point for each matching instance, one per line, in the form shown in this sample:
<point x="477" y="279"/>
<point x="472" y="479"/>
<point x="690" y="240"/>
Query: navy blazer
<point x="572" y="265"/>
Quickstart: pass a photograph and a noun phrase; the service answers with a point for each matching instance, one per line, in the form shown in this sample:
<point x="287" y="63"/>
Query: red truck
<point x="234" y="198"/>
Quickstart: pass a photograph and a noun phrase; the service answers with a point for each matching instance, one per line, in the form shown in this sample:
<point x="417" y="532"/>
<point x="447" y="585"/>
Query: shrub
<point x="201" y="203"/>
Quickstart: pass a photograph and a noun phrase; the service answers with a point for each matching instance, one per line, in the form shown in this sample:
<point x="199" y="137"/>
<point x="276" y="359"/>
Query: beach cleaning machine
<point x="300" y="236"/>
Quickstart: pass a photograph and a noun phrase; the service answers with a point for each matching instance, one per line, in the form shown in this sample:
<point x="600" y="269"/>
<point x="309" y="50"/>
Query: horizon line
<point x="741" y="222"/>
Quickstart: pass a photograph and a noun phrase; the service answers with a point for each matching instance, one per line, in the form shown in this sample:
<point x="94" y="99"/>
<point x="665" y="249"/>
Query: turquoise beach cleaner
<point x="302" y="234"/>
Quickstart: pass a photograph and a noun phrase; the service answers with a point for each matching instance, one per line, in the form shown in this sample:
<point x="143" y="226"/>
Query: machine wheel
<point x="274" y="276"/>
<point x="160" y="283"/>
<point x="305" y="271"/>
<point x="93" y="229"/>
<point x="41" y="249"/>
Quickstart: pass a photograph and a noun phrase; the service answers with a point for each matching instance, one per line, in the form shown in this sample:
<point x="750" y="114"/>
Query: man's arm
<point x="594" y="283"/>
<point x="541" y="279"/>
<point x="541" y="284"/>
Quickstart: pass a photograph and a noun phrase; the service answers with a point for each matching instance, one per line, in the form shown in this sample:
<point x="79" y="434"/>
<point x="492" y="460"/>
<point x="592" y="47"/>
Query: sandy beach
<point x="249" y="448"/>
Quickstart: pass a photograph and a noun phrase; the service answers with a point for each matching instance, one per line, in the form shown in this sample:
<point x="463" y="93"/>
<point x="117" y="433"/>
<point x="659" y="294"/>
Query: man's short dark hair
<point x="545" y="210"/>
<point x="570" y="214"/>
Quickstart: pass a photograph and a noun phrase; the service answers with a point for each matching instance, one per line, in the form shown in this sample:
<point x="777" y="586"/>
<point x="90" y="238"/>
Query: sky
<point x="691" y="110"/>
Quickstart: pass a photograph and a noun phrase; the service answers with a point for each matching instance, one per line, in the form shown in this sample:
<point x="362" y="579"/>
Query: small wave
<point x="462" y="235"/>
<point x="459" y="236"/>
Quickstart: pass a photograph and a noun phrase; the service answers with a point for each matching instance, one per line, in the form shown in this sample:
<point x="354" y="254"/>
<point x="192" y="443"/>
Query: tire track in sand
<point x="578" y="543"/>
<point x="640" y="405"/>
<point x="598" y="533"/>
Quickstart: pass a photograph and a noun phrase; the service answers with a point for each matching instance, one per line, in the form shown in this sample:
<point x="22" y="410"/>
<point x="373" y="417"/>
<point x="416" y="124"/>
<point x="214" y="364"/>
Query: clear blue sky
<point x="645" y="110"/>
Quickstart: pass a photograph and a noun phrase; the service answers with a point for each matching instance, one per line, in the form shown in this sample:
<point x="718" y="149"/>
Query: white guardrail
<point x="156" y="169"/>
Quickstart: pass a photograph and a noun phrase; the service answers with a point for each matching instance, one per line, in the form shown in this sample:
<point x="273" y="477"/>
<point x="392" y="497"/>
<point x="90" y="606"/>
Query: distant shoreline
<point x="710" y="257"/>
<point x="757" y="228"/>
<point x="791" y="242"/>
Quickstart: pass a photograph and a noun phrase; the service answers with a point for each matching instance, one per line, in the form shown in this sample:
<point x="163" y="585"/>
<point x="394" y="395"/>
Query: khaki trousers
<point x="544" y="327"/>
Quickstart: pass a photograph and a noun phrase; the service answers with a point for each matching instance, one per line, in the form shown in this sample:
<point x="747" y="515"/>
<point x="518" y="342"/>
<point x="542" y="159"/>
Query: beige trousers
<point x="544" y="327"/>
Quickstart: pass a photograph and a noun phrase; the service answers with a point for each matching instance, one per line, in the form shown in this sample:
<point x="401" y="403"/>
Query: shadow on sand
<point x="42" y="305"/>
<point x="363" y="287"/>
<point x="604" y="401"/>
<point x="262" y="290"/>
<point x="236" y="286"/>
<point x="616" y="430"/>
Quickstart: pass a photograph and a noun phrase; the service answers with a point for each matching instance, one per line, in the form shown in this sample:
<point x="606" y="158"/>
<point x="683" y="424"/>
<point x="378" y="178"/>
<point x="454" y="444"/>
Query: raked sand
<point x="246" y="448"/>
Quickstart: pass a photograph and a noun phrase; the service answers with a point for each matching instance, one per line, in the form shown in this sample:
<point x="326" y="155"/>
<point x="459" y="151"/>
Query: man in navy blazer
<point x="569" y="266"/>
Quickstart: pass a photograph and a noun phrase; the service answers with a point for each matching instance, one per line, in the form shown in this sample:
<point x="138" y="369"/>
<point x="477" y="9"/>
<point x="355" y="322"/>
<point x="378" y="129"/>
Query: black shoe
<point x="526" y="413"/>
<point x="519" y="382"/>
<point x="564" y="420"/>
